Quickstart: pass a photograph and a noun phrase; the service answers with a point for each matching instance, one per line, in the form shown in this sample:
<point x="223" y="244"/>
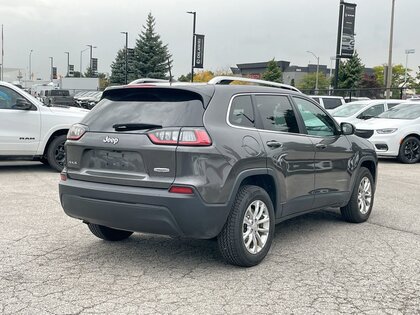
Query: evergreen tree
<point x="273" y="72"/>
<point x="151" y="55"/>
<point x="118" y="68"/>
<point x="351" y="73"/>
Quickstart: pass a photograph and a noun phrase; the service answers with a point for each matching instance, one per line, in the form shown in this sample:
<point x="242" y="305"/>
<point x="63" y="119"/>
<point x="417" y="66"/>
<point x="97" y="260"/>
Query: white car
<point x="395" y="133"/>
<point x="30" y="130"/>
<point x="328" y="102"/>
<point x="360" y="111"/>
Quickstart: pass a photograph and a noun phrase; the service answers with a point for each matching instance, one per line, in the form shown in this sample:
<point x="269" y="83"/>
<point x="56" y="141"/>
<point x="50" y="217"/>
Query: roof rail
<point x="227" y="80"/>
<point x="147" y="80"/>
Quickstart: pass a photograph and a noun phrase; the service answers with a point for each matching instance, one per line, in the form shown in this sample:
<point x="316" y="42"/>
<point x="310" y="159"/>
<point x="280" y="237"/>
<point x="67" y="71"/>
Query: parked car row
<point x="393" y="126"/>
<point x="88" y="99"/>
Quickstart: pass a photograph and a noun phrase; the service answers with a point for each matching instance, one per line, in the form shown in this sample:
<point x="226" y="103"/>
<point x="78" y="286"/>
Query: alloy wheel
<point x="364" y="197"/>
<point x="256" y="226"/>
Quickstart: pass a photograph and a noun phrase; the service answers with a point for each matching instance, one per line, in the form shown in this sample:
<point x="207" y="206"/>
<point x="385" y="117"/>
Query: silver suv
<point x="212" y="160"/>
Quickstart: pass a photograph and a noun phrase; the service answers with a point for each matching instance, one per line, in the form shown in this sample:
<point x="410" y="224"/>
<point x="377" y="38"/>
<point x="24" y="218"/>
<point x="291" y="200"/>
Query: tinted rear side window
<point x="276" y="113"/>
<point x="241" y="112"/>
<point x="167" y="108"/>
<point x="331" y="103"/>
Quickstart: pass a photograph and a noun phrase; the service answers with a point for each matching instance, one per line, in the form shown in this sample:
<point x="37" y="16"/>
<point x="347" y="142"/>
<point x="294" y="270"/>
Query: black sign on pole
<point x="54" y="72"/>
<point x="347" y="30"/>
<point x="71" y="70"/>
<point x="95" y="65"/>
<point x="199" y="51"/>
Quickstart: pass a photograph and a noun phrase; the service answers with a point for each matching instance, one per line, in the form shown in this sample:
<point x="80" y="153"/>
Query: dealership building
<point x="291" y="73"/>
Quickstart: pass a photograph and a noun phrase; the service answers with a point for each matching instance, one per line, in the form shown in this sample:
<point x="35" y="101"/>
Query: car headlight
<point x="386" y="131"/>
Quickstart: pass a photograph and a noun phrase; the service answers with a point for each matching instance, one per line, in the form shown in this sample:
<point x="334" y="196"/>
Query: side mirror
<point x="23" y="104"/>
<point x="347" y="129"/>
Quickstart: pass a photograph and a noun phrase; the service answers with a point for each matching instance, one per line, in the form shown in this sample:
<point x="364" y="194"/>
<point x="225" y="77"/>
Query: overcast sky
<point x="236" y="31"/>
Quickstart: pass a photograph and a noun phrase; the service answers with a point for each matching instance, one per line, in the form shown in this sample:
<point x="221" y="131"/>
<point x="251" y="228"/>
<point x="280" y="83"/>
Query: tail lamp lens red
<point x="76" y="132"/>
<point x="185" y="137"/>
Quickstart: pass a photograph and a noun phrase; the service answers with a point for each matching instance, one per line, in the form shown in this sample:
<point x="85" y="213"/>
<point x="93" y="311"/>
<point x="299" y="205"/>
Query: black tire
<point x="231" y="240"/>
<point x="409" y="150"/>
<point x="108" y="234"/>
<point x="351" y="212"/>
<point x="56" y="155"/>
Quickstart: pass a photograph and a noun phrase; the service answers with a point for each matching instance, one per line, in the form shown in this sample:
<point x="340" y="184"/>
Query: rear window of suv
<point x="164" y="107"/>
<point x="331" y="103"/>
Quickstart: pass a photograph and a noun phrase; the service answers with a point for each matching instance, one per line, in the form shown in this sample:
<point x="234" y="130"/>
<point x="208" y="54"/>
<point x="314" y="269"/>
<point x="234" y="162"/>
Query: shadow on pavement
<point x="156" y="251"/>
<point x="11" y="167"/>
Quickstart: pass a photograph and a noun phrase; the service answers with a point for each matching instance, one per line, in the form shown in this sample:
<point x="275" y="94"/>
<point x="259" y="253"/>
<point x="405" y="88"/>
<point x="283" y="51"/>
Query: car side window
<point x="331" y="103"/>
<point x="390" y="105"/>
<point x="241" y="111"/>
<point x="317" y="122"/>
<point x="8" y="98"/>
<point x="373" y="111"/>
<point x="276" y="113"/>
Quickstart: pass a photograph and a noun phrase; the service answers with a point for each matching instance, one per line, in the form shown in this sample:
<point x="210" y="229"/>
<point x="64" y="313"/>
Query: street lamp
<point x="68" y="62"/>
<point x="317" y="70"/>
<point x="81" y="54"/>
<point x="90" y="63"/>
<point x="126" y="56"/>
<point x="30" y="65"/>
<point x="52" y="63"/>
<point x="391" y="38"/>
<point x="193" y="44"/>
<point x="407" y="52"/>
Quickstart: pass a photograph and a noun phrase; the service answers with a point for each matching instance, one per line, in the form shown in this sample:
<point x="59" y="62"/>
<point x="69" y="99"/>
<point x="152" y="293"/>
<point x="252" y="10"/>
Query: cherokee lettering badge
<point x="110" y="140"/>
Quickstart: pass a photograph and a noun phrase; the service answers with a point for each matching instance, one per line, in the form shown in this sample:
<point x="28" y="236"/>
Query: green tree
<point x="118" y="68"/>
<point x="89" y="73"/>
<point x="398" y="72"/>
<point x="103" y="80"/>
<point x="308" y="82"/>
<point x="350" y="73"/>
<point x="152" y="58"/>
<point x="273" y="72"/>
<point x="185" y="77"/>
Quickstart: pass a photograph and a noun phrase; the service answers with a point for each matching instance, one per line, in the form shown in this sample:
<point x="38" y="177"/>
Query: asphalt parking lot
<point x="50" y="263"/>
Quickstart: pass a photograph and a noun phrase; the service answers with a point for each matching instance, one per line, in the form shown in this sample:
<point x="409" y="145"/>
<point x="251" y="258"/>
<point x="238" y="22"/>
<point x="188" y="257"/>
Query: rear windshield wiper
<point x="128" y="127"/>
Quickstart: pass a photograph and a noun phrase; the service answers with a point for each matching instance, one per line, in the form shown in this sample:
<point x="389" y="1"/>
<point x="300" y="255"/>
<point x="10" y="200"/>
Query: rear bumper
<point x="145" y="210"/>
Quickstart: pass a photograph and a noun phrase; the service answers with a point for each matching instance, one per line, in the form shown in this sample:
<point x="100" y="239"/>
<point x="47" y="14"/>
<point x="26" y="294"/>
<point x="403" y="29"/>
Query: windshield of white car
<point x="348" y="110"/>
<point x="403" y="111"/>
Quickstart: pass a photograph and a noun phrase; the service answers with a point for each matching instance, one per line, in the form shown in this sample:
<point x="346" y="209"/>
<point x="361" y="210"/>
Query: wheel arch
<point x="55" y="134"/>
<point x="262" y="178"/>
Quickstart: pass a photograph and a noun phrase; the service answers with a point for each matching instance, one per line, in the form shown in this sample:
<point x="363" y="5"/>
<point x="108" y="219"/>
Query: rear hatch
<point x="129" y="136"/>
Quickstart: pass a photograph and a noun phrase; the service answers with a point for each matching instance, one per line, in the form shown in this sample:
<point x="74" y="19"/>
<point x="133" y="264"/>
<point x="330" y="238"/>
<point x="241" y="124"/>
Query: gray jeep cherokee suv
<point x="212" y="160"/>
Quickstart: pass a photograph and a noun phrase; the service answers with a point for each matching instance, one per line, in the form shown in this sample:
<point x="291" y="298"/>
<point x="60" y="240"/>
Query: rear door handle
<point x="321" y="146"/>
<point x="274" y="144"/>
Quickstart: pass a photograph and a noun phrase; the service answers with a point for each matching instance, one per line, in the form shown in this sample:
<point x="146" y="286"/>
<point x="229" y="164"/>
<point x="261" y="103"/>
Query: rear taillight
<point x="63" y="176"/>
<point x="185" y="137"/>
<point x="76" y="132"/>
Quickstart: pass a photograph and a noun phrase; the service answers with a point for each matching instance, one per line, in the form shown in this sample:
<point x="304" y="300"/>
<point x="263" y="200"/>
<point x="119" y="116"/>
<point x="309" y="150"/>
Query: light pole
<point x="68" y="62"/>
<point x="407" y="52"/>
<point x="90" y="62"/>
<point x="391" y="38"/>
<point x="52" y="65"/>
<point x="317" y="70"/>
<point x="126" y="56"/>
<point x="193" y="44"/>
<point x="30" y="65"/>
<point x="81" y="54"/>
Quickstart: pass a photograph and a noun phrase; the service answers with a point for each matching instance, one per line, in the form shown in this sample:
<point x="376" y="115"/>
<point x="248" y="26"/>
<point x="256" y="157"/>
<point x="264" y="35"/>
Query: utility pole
<point x="391" y="38"/>
<point x="81" y="54"/>
<point x="193" y="44"/>
<point x="2" y="54"/>
<point x="407" y="52"/>
<point x="317" y="70"/>
<point x="126" y="56"/>
<point x="52" y="65"/>
<point x="90" y="61"/>
<point x="30" y="65"/>
<point x="68" y="62"/>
